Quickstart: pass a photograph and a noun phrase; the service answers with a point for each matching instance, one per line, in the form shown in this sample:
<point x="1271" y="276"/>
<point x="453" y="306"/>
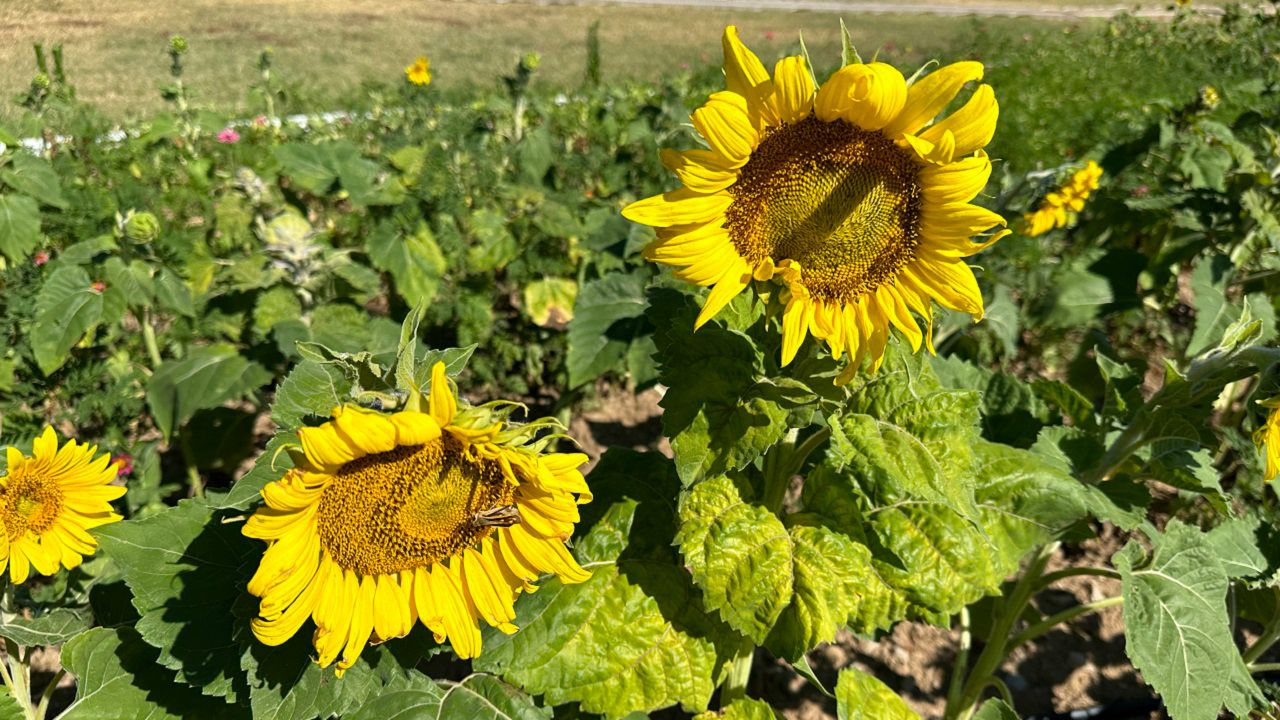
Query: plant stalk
<point x="998" y="641"/>
<point x="149" y="339"/>
<point x="1067" y="615"/>
<point x="735" y="682"/>
<point x="1270" y="634"/>
<point x="195" y="483"/>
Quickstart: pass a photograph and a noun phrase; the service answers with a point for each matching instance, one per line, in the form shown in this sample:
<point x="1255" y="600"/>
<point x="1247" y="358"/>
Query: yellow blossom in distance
<point x="1057" y="207"/>
<point x="419" y="73"/>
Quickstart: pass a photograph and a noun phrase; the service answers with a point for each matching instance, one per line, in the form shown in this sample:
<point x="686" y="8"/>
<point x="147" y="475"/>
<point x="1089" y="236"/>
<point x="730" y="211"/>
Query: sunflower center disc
<point x="842" y="201"/>
<point x="29" y="503"/>
<point x="408" y="507"/>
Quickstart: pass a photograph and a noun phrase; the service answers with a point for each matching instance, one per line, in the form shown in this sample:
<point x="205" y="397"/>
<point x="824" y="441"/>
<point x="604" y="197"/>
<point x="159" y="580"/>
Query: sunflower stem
<point x="1270" y="635"/>
<point x="149" y="339"/>
<point x="18" y="678"/>
<point x="984" y="669"/>
<point x="735" y="682"/>
<point x="45" y="697"/>
<point x="195" y="484"/>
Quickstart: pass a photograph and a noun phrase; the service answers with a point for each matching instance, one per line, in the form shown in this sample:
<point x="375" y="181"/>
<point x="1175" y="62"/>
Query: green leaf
<point x="633" y="638"/>
<point x="185" y="570"/>
<point x="66" y="309"/>
<point x="739" y="554"/>
<point x="117" y="678"/>
<point x="608" y="320"/>
<point x="1025" y="501"/>
<point x="1236" y="544"/>
<point x="133" y="282"/>
<point x="52" y="628"/>
<point x="860" y="696"/>
<point x="1078" y="297"/>
<point x="995" y="710"/>
<point x="1177" y="632"/>
<point x="493" y="245"/>
<point x="19" y="226"/>
<point x="311" y="389"/>
<point x="270" y="466"/>
<point x="309" y="166"/>
<point x="719" y="411"/>
<point x="207" y="377"/>
<point x="478" y="697"/>
<point x="848" y="54"/>
<point x="741" y="709"/>
<point x="276" y="305"/>
<point x="549" y="302"/>
<point x="414" y="261"/>
<point x="34" y="176"/>
<point x="173" y="294"/>
<point x="9" y="707"/>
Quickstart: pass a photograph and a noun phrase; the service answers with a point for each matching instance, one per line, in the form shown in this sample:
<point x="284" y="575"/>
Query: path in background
<point x="953" y="8"/>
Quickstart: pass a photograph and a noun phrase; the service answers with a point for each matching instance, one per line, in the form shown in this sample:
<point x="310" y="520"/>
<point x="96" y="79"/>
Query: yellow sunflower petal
<point x="735" y="280"/>
<point x="930" y="94"/>
<point x="725" y="124"/>
<point x="325" y="448"/>
<point x="743" y="71"/>
<point x="370" y="432"/>
<point x="685" y="244"/>
<point x="973" y="125"/>
<point x="793" y="89"/>
<point x="442" y="404"/>
<point x="701" y="171"/>
<point x="795" y="324"/>
<point x="678" y="207"/>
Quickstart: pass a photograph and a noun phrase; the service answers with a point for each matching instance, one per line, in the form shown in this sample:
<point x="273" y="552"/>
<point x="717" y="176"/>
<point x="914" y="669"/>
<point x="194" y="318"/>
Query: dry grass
<point x="117" y="60"/>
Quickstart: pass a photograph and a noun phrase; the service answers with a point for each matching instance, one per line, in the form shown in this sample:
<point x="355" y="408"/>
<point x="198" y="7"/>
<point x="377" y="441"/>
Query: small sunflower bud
<point x="141" y="227"/>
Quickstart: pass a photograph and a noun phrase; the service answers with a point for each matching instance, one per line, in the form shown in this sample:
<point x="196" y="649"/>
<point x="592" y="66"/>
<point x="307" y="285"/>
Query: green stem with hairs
<point x="735" y="682"/>
<point x="993" y="654"/>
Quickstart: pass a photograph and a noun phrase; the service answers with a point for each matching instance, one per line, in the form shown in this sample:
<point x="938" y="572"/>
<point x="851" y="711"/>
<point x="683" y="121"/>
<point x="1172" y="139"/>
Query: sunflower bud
<point x="141" y="227"/>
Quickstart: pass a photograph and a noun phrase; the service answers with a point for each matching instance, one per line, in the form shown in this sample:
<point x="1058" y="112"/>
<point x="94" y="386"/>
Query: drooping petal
<point x="793" y="89"/>
<point x="973" y="125"/>
<point x="930" y="94"/>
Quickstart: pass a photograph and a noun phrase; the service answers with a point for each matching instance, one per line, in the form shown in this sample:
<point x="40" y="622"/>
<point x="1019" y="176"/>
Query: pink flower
<point x="228" y="136"/>
<point x="98" y="287"/>
<point x="1141" y="191"/>
<point x="260" y="121"/>
<point x="124" y="465"/>
<point x="41" y="257"/>
<point x="769" y="35"/>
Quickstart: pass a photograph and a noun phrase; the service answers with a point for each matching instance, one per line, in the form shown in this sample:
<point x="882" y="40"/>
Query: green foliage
<point x="860" y="696"/>
<point x="1178" y="627"/>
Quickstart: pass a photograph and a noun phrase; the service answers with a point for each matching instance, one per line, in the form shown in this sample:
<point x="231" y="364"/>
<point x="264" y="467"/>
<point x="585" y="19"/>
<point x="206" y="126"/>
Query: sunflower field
<point x="314" y="415"/>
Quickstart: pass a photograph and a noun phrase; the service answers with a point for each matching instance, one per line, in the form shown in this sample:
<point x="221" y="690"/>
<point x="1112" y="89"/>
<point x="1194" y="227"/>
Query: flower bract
<point x="442" y="517"/>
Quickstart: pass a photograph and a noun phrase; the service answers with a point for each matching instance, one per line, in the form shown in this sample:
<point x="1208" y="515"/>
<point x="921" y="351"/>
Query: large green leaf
<point x="34" y="176"/>
<point x="185" y="570"/>
<point x="790" y="586"/>
<point x="117" y="678"/>
<point x="860" y="696"/>
<point x="52" y="628"/>
<point x="311" y="389"/>
<point x="270" y="466"/>
<point x="608" y="320"/>
<point x="720" y="412"/>
<point x="1177" y="632"/>
<point x="477" y="697"/>
<point x="66" y="309"/>
<point x="635" y="637"/>
<point x="1024" y="501"/>
<point x="19" y="226"/>
<point x="308" y="166"/>
<point x="741" y="709"/>
<point x="413" y="259"/>
<point x="207" y="377"/>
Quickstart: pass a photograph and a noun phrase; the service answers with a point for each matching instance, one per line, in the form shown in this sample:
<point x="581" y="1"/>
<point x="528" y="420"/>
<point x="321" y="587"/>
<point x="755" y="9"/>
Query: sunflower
<point x="48" y="503"/>
<point x="1054" y="208"/>
<point x="443" y="516"/>
<point x="849" y="194"/>
<point x="1268" y="438"/>
<point x="419" y="73"/>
